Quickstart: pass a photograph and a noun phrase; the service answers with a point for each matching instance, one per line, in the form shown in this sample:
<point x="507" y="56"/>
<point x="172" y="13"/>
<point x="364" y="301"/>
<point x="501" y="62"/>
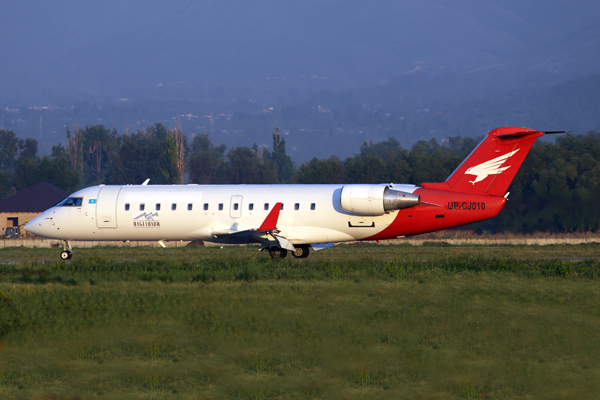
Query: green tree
<point x="268" y="169"/>
<point x="167" y="162"/>
<point x="207" y="163"/>
<point x="9" y="148"/>
<point x="6" y="187"/>
<point x="330" y="170"/>
<point x="283" y="162"/>
<point x="244" y="166"/>
<point x="99" y="149"/>
<point x="28" y="148"/>
<point x="365" y="169"/>
<point x="56" y="171"/>
<point x="59" y="151"/>
<point x="26" y="174"/>
<point x="430" y="162"/>
<point x="394" y="158"/>
<point x="149" y="153"/>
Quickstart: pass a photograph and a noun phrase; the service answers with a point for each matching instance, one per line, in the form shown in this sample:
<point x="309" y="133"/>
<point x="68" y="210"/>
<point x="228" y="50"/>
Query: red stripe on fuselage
<point x="455" y="209"/>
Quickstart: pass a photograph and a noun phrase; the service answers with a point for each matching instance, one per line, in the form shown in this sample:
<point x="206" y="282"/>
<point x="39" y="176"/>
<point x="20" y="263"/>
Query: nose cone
<point x="40" y="225"/>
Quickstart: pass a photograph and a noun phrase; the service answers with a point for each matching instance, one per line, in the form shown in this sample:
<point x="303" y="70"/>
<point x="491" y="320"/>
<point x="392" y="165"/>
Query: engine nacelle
<point x="375" y="199"/>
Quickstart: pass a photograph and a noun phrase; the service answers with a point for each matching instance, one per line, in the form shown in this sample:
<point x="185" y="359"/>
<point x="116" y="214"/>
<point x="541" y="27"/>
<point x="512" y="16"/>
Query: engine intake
<point x="375" y="199"/>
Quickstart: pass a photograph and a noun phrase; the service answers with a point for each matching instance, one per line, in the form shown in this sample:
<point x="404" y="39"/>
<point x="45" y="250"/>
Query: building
<point x="24" y="206"/>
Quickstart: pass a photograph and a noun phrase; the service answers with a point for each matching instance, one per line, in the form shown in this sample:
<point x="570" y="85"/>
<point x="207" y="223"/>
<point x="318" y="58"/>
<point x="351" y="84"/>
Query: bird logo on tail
<point x="491" y="167"/>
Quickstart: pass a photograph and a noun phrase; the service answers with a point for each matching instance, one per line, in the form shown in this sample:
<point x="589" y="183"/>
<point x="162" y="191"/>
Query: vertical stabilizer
<point x="492" y="165"/>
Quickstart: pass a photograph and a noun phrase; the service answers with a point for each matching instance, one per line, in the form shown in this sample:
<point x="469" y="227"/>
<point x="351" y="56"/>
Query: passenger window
<point x="205" y="206"/>
<point x="173" y="206"/>
<point x="313" y="206"/>
<point x="127" y="207"/>
<point x="157" y="206"/>
<point x="251" y="206"/>
<point x="142" y="207"/>
<point x="236" y="206"/>
<point x="266" y="206"/>
<point x="220" y="206"/>
<point x="297" y="206"/>
<point x="190" y="206"/>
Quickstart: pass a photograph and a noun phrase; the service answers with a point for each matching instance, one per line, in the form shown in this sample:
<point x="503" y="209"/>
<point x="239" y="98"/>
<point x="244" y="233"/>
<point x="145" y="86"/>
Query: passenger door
<point x="106" y="207"/>
<point x="235" y="209"/>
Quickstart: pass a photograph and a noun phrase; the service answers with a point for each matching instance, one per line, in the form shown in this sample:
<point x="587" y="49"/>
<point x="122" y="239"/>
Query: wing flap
<point x="267" y="234"/>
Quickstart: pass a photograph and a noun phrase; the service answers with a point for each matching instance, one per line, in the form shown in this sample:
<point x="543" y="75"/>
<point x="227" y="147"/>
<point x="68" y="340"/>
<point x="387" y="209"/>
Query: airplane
<point x="294" y="218"/>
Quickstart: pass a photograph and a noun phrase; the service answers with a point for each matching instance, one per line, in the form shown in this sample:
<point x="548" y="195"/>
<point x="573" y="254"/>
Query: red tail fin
<point x="270" y="222"/>
<point x="492" y="165"/>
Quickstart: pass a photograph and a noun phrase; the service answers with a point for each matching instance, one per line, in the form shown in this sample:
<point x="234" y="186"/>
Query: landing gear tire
<point x="301" y="251"/>
<point x="276" y="252"/>
<point x="66" y="255"/>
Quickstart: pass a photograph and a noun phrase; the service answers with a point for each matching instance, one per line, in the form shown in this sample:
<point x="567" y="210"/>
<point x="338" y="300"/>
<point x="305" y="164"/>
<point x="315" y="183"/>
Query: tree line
<point x="556" y="190"/>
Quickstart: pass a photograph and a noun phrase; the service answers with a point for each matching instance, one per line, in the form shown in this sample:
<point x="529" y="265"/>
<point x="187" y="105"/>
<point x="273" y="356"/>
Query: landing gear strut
<point x="67" y="252"/>
<point x="276" y="252"/>
<point x="301" y="251"/>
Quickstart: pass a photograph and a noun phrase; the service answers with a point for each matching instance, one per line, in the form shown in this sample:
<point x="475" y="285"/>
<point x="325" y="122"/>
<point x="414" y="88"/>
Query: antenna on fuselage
<point x="146" y="182"/>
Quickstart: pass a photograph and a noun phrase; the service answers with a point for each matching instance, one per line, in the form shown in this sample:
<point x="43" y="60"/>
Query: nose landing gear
<point x="67" y="252"/>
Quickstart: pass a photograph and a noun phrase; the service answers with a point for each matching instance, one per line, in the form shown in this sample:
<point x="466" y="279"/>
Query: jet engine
<point x="375" y="199"/>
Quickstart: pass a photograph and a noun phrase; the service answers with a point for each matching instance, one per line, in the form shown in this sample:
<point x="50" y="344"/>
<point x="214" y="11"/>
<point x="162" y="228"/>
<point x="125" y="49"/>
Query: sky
<point x="135" y="47"/>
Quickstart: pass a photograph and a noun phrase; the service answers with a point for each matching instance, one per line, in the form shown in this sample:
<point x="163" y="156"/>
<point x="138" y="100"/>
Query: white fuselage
<point x="310" y="214"/>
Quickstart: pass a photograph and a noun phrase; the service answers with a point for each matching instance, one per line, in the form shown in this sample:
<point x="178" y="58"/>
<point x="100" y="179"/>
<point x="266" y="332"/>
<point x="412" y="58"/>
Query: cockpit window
<point x="71" y="201"/>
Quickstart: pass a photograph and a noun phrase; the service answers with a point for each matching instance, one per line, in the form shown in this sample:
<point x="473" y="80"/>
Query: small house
<point x="24" y="206"/>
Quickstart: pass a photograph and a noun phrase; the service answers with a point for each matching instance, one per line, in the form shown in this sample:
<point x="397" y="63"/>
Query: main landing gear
<point x="301" y="252"/>
<point x="276" y="252"/>
<point x="67" y="252"/>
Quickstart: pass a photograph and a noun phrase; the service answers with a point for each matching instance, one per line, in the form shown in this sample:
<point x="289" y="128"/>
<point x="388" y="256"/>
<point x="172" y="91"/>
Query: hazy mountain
<point x="185" y="48"/>
<point x="576" y="56"/>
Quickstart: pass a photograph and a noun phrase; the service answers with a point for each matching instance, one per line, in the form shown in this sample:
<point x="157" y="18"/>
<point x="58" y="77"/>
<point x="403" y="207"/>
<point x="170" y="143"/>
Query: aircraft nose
<point x="38" y="225"/>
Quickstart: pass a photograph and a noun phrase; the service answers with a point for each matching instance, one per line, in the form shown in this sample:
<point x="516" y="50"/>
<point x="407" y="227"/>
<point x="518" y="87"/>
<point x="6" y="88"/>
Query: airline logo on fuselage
<point x="147" y="220"/>
<point x="491" y="167"/>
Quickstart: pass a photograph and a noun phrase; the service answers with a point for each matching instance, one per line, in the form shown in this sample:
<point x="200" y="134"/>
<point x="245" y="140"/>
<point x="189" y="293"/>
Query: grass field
<point x="365" y="322"/>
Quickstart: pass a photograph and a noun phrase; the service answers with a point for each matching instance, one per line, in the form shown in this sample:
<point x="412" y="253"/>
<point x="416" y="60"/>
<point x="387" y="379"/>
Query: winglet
<point x="270" y="223"/>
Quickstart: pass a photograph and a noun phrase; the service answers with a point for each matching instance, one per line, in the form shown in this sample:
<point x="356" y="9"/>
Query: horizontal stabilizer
<point x="521" y="134"/>
<point x="515" y="135"/>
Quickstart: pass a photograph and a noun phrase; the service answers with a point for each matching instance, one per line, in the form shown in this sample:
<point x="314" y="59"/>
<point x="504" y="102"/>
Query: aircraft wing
<point x="267" y="234"/>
